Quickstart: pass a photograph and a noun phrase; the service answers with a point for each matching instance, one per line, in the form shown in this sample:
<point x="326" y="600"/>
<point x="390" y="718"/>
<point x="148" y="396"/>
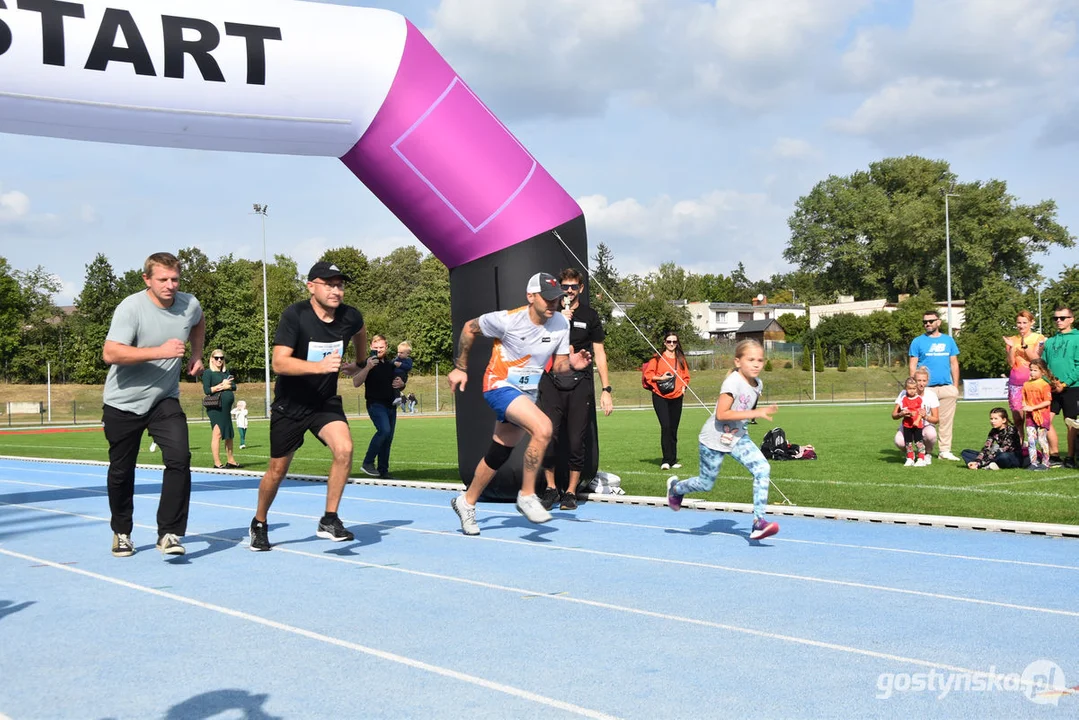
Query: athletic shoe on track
<point x="122" y="545"/>
<point x="531" y="508"/>
<point x="550" y="497"/>
<point x="169" y="544"/>
<point x="762" y="529"/>
<point x="332" y="529"/>
<point x="467" y="514"/>
<point x="259" y="538"/>
<point x="674" y="500"/>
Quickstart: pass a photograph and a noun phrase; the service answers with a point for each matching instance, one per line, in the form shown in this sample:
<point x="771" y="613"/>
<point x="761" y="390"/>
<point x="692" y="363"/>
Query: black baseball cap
<point x="546" y="285"/>
<point x="325" y="271"/>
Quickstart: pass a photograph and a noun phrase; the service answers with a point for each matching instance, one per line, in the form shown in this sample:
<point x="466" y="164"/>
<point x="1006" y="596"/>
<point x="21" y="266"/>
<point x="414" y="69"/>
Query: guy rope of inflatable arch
<point x="592" y="278"/>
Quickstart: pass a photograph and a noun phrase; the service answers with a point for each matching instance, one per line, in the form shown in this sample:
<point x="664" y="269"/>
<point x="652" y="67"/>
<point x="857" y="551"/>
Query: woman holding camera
<point x="667" y="376"/>
<point x="219" y="386"/>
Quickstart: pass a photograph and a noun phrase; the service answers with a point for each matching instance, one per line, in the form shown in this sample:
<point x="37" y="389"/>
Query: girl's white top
<point x="723" y="435"/>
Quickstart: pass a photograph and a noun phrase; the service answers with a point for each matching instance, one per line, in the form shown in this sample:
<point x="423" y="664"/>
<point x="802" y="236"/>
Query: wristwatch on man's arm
<point x="607" y="390"/>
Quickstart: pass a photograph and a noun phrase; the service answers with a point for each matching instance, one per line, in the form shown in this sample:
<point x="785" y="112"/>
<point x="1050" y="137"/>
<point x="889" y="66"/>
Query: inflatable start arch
<point x="298" y="78"/>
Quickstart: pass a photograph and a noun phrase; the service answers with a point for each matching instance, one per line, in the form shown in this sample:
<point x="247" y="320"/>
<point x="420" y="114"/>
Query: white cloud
<point x="88" y="214"/>
<point x="565" y="57"/>
<point x="14" y="205"/>
<point x="793" y="148"/>
<point x="933" y="110"/>
<point x="708" y="234"/>
<point x="962" y="67"/>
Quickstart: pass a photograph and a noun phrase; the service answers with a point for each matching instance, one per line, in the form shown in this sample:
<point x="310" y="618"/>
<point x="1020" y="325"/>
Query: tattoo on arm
<point x="464" y="343"/>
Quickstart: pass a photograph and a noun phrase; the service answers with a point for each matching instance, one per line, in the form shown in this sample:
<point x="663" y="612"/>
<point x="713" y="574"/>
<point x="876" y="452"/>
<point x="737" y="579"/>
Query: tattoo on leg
<point x="531" y="459"/>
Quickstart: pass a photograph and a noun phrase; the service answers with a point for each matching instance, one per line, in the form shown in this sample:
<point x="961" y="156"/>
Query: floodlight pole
<point x="948" y="257"/>
<point x="262" y="210"/>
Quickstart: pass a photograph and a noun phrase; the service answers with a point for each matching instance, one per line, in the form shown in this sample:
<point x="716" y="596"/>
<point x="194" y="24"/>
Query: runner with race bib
<point x="526" y="338"/>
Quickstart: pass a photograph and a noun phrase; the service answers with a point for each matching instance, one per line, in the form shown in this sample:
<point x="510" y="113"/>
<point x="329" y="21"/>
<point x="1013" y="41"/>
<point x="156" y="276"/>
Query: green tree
<point x="1062" y="291"/>
<point x="881" y="232"/>
<point x="604" y="285"/>
<point x="819" y="356"/>
<point x="794" y="326"/>
<point x="806" y="358"/>
<point x="843" y="330"/>
<point x="12" y="313"/>
<point x="352" y="262"/>
<point x="426" y="317"/>
<point x="627" y="348"/>
<point x="842" y="359"/>
<point x="90" y="324"/>
<point x="990" y="315"/>
<point x="39" y="343"/>
<point x="670" y="282"/>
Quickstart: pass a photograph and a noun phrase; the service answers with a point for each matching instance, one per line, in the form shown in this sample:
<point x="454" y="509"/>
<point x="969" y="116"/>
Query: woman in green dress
<point x="217" y="380"/>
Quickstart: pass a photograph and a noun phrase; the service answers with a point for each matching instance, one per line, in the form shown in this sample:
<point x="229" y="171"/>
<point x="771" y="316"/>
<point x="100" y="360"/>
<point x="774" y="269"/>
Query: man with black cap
<point x="526" y="339"/>
<point x="308" y="352"/>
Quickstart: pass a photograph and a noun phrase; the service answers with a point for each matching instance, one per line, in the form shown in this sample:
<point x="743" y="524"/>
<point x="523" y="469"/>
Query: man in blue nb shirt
<point x="940" y="355"/>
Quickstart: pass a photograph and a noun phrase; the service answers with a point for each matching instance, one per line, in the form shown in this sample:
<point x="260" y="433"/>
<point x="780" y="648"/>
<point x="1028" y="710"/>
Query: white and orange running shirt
<point x="522" y="348"/>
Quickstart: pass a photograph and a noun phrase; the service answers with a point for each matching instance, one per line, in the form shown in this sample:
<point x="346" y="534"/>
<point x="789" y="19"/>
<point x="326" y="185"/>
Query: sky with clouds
<point x="686" y="130"/>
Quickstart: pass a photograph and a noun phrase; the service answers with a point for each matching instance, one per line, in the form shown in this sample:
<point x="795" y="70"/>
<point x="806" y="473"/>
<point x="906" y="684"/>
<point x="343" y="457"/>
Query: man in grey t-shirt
<point x="145" y="349"/>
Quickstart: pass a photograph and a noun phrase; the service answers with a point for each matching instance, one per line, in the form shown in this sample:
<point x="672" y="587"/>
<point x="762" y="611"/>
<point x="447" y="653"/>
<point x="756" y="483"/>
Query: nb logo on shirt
<point x="937" y="349"/>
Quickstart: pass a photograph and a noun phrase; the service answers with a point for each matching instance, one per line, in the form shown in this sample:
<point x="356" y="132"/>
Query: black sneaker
<point x="332" y="529"/>
<point x="1069" y="463"/>
<point x="569" y="501"/>
<point x="169" y="544"/>
<point x="122" y="545"/>
<point x="549" y="498"/>
<point x="369" y="469"/>
<point x="1054" y="461"/>
<point x="260" y="539"/>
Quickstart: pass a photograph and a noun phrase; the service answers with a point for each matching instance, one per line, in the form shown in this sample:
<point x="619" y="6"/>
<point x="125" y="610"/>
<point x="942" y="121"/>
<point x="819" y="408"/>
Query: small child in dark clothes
<point x="1003" y="447"/>
<point x="402" y="366"/>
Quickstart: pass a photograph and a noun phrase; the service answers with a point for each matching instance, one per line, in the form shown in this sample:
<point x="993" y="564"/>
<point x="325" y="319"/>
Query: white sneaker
<point x="928" y="459"/>
<point x="153" y="446"/>
<point x="1072" y="423"/>
<point x="676" y="466"/>
<point x="992" y="466"/>
<point x="665" y="466"/>
<point x="242" y="447"/>
<point x="531" y="507"/>
<point x="909" y="462"/>
<point x="920" y="462"/>
<point x="947" y="455"/>
<point x="467" y="513"/>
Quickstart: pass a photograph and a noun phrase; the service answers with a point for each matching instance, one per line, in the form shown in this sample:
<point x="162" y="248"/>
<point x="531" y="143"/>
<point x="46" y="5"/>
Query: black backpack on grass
<point x="775" y="446"/>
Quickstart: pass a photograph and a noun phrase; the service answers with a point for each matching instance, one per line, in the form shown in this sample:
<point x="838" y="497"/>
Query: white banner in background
<point x="985" y="389"/>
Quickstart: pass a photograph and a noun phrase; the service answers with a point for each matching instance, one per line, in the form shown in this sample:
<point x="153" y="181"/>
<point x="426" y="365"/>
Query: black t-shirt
<point x="378" y="387"/>
<point x="585" y="328"/>
<point x="311" y="339"/>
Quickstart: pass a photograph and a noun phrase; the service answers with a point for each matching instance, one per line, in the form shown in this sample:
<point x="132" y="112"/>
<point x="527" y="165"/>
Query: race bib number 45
<point x="526" y="379"/>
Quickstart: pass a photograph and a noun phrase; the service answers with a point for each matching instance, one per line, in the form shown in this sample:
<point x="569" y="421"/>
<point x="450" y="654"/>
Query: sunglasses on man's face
<point x="1062" y="318"/>
<point x="930" y="322"/>
<point x="573" y="287"/>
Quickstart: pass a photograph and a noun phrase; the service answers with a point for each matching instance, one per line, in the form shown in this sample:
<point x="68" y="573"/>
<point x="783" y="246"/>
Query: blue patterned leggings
<point x="745" y="452"/>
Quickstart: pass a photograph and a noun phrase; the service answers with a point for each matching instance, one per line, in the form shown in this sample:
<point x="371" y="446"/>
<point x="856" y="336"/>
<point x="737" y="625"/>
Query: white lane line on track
<point x="532" y="594"/>
<point x="602" y="553"/>
<point x="983" y="489"/>
<point x="617" y="523"/>
<point x="329" y="640"/>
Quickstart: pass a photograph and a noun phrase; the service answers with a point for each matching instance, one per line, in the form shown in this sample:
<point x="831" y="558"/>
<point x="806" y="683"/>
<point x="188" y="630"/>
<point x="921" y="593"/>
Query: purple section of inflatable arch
<point x="448" y="169"/>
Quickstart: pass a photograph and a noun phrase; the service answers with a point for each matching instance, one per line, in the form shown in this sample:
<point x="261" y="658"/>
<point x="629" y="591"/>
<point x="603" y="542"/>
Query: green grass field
<point x="858" y="466"/>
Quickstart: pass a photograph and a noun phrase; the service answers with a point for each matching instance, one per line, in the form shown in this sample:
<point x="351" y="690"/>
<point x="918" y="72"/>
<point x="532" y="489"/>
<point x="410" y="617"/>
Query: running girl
<point x="725" y="433"/>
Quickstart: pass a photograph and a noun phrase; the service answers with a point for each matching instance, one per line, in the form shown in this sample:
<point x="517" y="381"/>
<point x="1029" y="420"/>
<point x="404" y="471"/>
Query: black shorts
<point x="1067" y="402"/>
<point x="289" y="422"/>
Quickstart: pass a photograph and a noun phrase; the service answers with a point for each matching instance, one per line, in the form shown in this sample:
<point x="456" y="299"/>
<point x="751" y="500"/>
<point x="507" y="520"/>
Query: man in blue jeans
<point x="379" y="383"/>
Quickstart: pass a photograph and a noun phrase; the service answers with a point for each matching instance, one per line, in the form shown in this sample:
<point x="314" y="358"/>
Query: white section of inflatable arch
<point x="322" y="83"/>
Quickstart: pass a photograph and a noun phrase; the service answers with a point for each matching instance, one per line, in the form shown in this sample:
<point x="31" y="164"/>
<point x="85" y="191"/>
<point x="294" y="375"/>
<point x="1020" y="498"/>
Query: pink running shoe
<point x="673" y="500"/>
<point x="762" y="529"/>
